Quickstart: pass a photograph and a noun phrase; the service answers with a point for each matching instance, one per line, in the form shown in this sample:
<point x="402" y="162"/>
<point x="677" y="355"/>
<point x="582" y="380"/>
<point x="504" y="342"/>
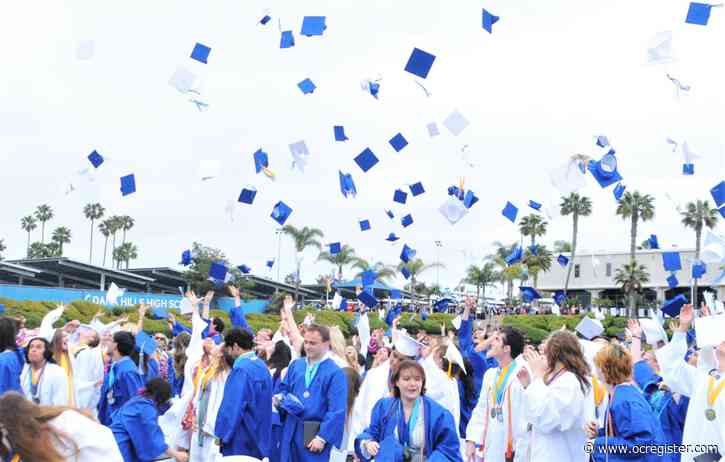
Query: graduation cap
<point x="698" y="13"/>
<point x="392" y="237"/>
<point x="405" y="272"/>
<point x="469" y="199"/>
<point x="534" y="205"/>
<point x="145" y="343"/>
<point x="416" y="189"/>
<point x="186" y="258"/>
<point x="392" y="314"/>
<point x="340" y="133"/>
<point x="281" y="212"/>
<point x="287" y="40"/>
<point x="313" y="25"/>
<point x="368" y="278"/>
<point x="398" y="142"/>
<point x="510" y="212"/>
<point x="247" y="195"/>
<point x="218" y="271"/>
<point x="653" y="331"/>
<point x="652" y="242"/>
<point x="407" y="346"/>
<point x="334" y="248"/>
<point x="698" y="270"/>
<point x="366" y="160"/>
<point x="406" y="220"/>
<point x="529" y="293"/>
<point x="673" y="306"/>
<point x="602" y="141"/>
<point x="307" y="86"/>
<point x="95" y="159"/>
<point x="395" y="294"/>
<point x="718" y="193"/>
<point x="408" y="253"/>
<point x="688" y="169"/>
<point x="200" y="53"/>
<point x="672" y="281"/>
<point x="619" y="191"/>
<point x="244" y="269"/>
<point x="420" y="63"/>
<point x="605" y="170"/>
<point x="432" y="129"/>
<point x="347" y="185"/>
<point x="713" y="248"/>
<point x="367" y="299"/>
<point x="441" y="305"/>
<point x="270" y="263"/>
<point x="515" y="256"/>
<point x="488" y="21"/>
<point x="455" y="123"/>
<point x="671" y="261"/>
<point x="364" y="225"/>
<point x="563" y="260"/>
<point x="159" y="313"/>
<point x="590" y="328"/>
<point x="400" y="196"/>
<point x="300" y="154"/>
<point x="389" y="213"/>
<point x="113" y="293"/>
<point x="182" y="79"/>
<point x="128" y="184"/>
<point x="453" y="210"/>
<point x="710" y="330"/>
<point x="261" y="160"/>
<point x="559" y="297"/>
<point x="660" y="48"/>
<point x="534" y="249"/>
<point x="265" y="19"/>
<point x="338" y="302"/>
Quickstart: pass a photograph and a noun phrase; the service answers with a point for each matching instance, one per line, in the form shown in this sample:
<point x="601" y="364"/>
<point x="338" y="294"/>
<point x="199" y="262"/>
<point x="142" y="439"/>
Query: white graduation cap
<point x="85" y="50"/>
<point x="713" y="248"/>
<point x="363" y="331"/>
<point x="457" y="322"/>
<point x="570" y="177"/>
<point x="209" y="168"/>
<point x="455" y="122"/>
<point x="113" y="293"/>
<point x="185" y="307"/>
<point x="337" y="301"/>
<point x="598" y="315"/>
<point x="687" y="155"/>
<point x="407" y="346"/>
<point x="709" y="300"/>
<point x="590" y="328"/>
<point x="381" y="313"/>
<point x="659" y="50"/>
<point x="653" y="331"/>
<point x="300" y="155"/>
<point x="590" y="350"/>
<point x="453" y="210"/>
<point x="556" y="310"/>
<point x="183" y="79"/>
<point x="433" y="129"/>
<point x="453" y="355"/>
<point x="710" y="330"/>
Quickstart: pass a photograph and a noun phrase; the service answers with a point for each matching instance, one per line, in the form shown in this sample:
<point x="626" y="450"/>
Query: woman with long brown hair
<point x="558" y="399"/>
<point x="29" y="432"/>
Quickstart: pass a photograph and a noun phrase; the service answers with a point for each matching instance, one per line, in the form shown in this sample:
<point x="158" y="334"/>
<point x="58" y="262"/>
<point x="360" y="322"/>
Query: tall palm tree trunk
<point x="28" y="249"/>
<point x="113" y="250"/>
<point x="698" y="237"/>
<point x="105" y="250"/>
<point x="42" y="232"/>
<point x="632" y="248"/>
<point x="297" y="282"/>
<point x="575" y="219"/>
<point x="90" y="255"/>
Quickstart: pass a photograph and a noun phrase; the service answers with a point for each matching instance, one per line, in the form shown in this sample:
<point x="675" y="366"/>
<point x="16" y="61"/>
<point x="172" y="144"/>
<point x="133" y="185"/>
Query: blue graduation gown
<point x="244" y="421"/>
<point x="466" y="408"/>
<point x="126" y="385"/>
<point x="634" y="425"/>
<point x="236" y="316"/>
<point x="326" y="403"/>
<point x="441" y="440"/>
<point x="136" y="429"/>
<point x="152" y="370"/>
<point x="478" y="359"/>
<point x="274" y="454"/>
<point x="11" y="365"/>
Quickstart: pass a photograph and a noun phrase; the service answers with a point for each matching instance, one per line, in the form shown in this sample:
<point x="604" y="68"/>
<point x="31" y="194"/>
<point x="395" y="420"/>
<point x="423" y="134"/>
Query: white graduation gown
<point x="497" y="432"/>
<point x="87" y="373"/>
<point x="442" y="389"/>
<point x="93" y="441"/>
<point x="209" y="450"/>
<point x="558" y="414"/>
<point x="53" y="386"/>
<point x="691" y="381"/>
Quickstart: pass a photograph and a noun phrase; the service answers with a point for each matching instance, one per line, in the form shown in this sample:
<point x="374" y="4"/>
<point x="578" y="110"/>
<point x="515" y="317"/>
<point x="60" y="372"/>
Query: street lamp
<point x="278" y="232"/>
<point x="439" y="244"/>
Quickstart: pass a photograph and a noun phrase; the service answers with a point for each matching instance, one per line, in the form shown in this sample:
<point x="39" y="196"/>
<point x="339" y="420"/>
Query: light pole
<point x="439" y="244"/>
<point x="278" y="231"/>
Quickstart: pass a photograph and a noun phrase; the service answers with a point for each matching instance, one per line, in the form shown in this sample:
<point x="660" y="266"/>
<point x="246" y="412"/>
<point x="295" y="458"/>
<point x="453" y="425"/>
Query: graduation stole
<point x="599" y="391"/>
<point x="66" y="365"/>
<point x="509" y="438"/>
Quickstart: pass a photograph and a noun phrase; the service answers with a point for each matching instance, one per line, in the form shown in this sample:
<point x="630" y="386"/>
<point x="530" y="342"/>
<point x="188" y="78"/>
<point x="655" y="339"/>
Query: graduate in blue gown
<point x="136" y="429"/>
<point x="123" y="379"/>
<point x="428" y="433"/>
<point x="473" y="353"/>
<point x="244" y="421"/>
<point x="321" y="386"/>
<point x="278" y="362"/>
<point x="12" y="359"/>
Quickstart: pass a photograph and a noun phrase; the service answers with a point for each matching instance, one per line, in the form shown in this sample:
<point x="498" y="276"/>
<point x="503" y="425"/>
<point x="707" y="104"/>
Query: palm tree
<point x="481" y="277"/>
<point x="417" y="267"/>
<point x="105" y="229"/>
<point x="302" y="238"/>
<point x="61" y="236"/>
<point x="637" y="207"/>
<point x="698" y="215"/>
<point x="115" y="223"/>
<point x="125" y="224"/>
<point x="630" y="277"/>
<point x="562" y="246"/>
<point x="28" y="223"/>
<point x="346" y="256"/>
<point x="576" y="206"/>
<point x="533" y="225"/>
<point x="43" y="213"/>
<point x="539" y="262"/>
<point x="125" y="253"/>
<point x="383" y="272"/>
<point x="2" y="248"/>
<point x="93" y="212"/>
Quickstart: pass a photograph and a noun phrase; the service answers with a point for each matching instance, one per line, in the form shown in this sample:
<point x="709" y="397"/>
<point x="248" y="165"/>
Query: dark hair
<point x="218" y="325"/>
<point x="324" y="331"/>
<point x="125" y="343"/>
<point x="564" y="347"/>
<point x="353" y="387"/>
<point x="158" y="390"/>
<point x="469" y="388"/>
<point x="403" y="366"/>
<point x="240" y="337"/>
<point x="181" y="342"/>
<point x="47" y="353"/>
<point x="514" y="339"/>
<point x="56" y="345"/>
<point x="280" y="358"/>
<point x="96" y="340"/>
<point x="8" y="333"/>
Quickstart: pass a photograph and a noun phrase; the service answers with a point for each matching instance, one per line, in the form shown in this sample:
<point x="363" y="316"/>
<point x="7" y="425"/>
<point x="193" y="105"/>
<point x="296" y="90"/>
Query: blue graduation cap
<point x="529" y="293"/>
<point x="392" y="237"/>
<point x="95" y="159"/>
<point x="265" y="19"/>
<point x="718" y="194"/>
<point x="128" y="185"/>
<point x="671" y="261"/>
<point x="270" y="263"/>
<point x="313" y="25"/>
<point x="334" y="248"/>
<point x="698" y="270"/>
<point x="652" y="242"/>
<point x="395" y="294"/>
<point x="287" y="40"/>
<point x="367" y="299"/>
<point x="534" y="249"/>
<point x="366" y="160"/>
<point x="488" y="21"/>
<point x="407" y="253"/>
<point x="247" y="195"/>
<point x="400" y="196"/>
<point x="218" y="271"/>
<point x="343" y="305"/>
<point x="420" y="63"/>
<point x="423" y="314"/>
<point x="145" y="343"/>
<point x="672" y="281"/>
<point x="244" y="269"/>
<point x="281" y="212"/>
<point x="159" y="313"/>
<point x="398" y="142"/>
<point x="510" y="212"/>
<point x="347" y="185"/>
<point x="364" y="225"/>
<point x="605" y="170"/>
<point x="261" y="160"/>
<point x="200" y="53"/>
<point x="340" y="133"/>
<point x="374" y="89"/>
<point x="368" y="278"/>
<point x="416" y="189"/>
<point x="307" y="86"/>
<point x="469" y="199"/>
<point x="392" y="314"/>
<point x="534" y="205"/>
<point x="602" y="141"/>
<point x="515" y="256"/>
<point x="563" y="260"/>
<point x="698" y="13"/>
<point x="673" y="306"/>
<point x="389" y="213"/>
<point x="456" y="192"/>
<point x="186" y="258"/>
<point x="688" y="169"/>
<point x="559" y="297"/>
<point x="404" y="271"/>
<point x="406" y="220"/>
<point x="441" y="305"/>
<point x="619" y="191"/>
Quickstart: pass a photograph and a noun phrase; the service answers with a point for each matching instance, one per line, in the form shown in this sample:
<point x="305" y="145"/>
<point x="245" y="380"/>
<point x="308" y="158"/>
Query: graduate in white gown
<point x="705" y="421"/>
<point x="43" y="381"/>
<point x="87" y="361"/>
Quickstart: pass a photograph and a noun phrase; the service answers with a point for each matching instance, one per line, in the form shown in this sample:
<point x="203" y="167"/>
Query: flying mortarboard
<point x="368" y="278"/>
<point x="698" y="270"/>
<point x="281" y="212"/>
<point x="453" y="210"/>
<point x="200" y="53"/>
<point x="334" y="248"/>
<point x="400" y="196"/>
<point x="441" y="305"/>
<point x="406" y="220"/>
<point x="95" y="159"/>
<point x="510" y="212"/>
<point x="420" y="63"/>
<point x="270" y="263"/>
<point x="392" y="237"/>
<point x="182" y="79"/>
<point x="563" y="260"/>
<point x="407" y="253"/>
<point x="113" y="293"/>
<point x="128" y="184"/>
<point x="300" y="154"/>
<point x="417" y="189"/>
<point x="660" y="49"/>
<point x="367" y="299"/>
<point x="398" y="142"/>
<point x="340" y="133"/>
<point x="455" y="123"/>
<point x="433" y="129"/>
<point x="265" y="19"/>
<point x="218" y="271"/>
<point x="515" y="256"/>
<point x="366" y="160"/>
<point x="145" y="343"/>
<point x="619" y="191"/>
<point x="653" y="331"/>
<point x="718" y="193"/>
<point x="605" y="170"/>
<point x="652" y="242"/>
<point x="287" y="40"/>
<point x="602" y="141"/>
<point x="469" y="199"/>
<point x="407" y="346"/>
<point x="347" y="185"/>
<point x="186" y="258"/>
<point x="671" y="261"/>
<point x="244" y="269"/>
<point x="261" y="160"/>
<point x="364" y="225"/>
<point x="313" y="25"/>
<point x="488" y="21"/>
<point x="559" y="297"/>
<point x="529" y="293"/>
<point x="698" y="13"/>
<point x="672" y="281"/>
<point x="710" y="331"/>
<point x="307" y="86"/>
<point x="590" y="328"/>
<point x="395" y="294"/>
<point x="673" y="306"/>
<point x="534" y="205"/>
<point x="688" y="169"/>
<point x="390" y="215"/>
<point x="247" y="195"/>
<point x="404" y="271"/>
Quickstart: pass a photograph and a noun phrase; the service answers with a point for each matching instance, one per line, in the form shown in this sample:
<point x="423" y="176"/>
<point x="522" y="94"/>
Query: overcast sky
<point x="551" y="76"/>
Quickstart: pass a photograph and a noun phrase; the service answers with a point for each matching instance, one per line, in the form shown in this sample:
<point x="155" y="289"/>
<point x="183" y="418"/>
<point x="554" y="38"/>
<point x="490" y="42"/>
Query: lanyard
<point x="35" y="385"/>
<point x="405" y="432"/>
<point x="599" y="391"/>
<point x="310" y="373"/>
<point x="242" y="357"/>
<point x="502" y="381"/>
<point x="611" y="431"/>
<point x="712" y="394"/>
<point x="556" y="376"/>
<point x="112" y="372"/>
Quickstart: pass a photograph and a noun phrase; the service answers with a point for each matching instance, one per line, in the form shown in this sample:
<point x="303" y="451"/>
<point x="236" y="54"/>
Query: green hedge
<point x="536" y="328"/>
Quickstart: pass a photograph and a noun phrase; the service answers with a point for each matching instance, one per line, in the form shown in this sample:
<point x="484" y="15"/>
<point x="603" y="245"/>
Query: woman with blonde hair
<point x="338" y="347"/>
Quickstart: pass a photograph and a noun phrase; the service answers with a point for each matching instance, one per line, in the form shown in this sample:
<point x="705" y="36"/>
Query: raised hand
<point x="288" y="303"/>
<point x="634" y="328"/>
<point x="191" y="295"/>
<point x="524" y="377"/>
<point x="536" y="362"/>
<point x="233" y="291"/>
<point x="686" y="316"/>
<point x="208" y="298"/>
